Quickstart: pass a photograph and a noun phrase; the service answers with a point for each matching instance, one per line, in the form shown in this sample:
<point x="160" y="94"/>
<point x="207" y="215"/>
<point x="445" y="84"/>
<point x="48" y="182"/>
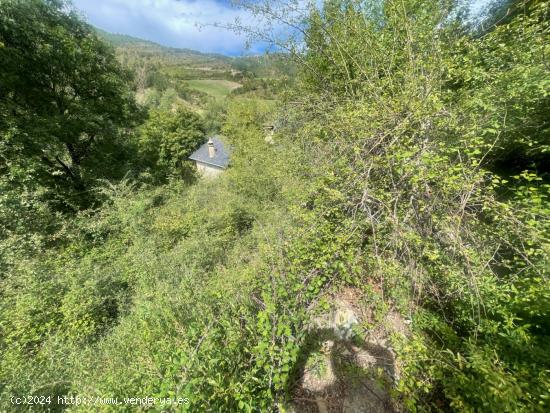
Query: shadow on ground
<point x="347" y="375"/>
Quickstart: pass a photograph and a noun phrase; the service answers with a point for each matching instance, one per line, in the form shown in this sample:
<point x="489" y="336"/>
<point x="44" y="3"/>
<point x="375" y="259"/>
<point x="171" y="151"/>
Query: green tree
<point x="168" y="138"/>
<point x="63" y="100"/>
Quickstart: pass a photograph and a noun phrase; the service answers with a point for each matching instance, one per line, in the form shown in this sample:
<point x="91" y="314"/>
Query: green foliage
<point x="66" y="113"/>
<point x="441" y="141"/>
<point x="64" y="98"/>
<point x="501" y="81"/>
<point x="408" y="164"/>
<point x="157" y="80"/>
<point x="261" y="88"/>
<point x="155" y="293"/>
<point x="167" y="139"/>
<point x="214" y="116"/>
<point x="272" y="66"/>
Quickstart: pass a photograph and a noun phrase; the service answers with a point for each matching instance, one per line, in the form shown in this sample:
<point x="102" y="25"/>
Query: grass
<point x="214" y="87"/>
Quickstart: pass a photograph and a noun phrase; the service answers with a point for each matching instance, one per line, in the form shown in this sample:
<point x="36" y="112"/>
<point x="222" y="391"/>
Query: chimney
<point x="211" y="148"/>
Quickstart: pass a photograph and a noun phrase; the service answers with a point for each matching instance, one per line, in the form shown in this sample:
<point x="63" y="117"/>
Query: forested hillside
<point x="165" y="76"/>
<point x="385" y="248"/>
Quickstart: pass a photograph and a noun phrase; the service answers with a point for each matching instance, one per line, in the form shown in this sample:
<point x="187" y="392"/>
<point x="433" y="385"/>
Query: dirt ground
<point x="342" y="372"/>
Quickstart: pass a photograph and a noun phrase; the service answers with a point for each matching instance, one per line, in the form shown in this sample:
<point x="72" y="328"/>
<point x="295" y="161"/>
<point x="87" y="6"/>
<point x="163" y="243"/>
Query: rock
<point x="343" y="320"/>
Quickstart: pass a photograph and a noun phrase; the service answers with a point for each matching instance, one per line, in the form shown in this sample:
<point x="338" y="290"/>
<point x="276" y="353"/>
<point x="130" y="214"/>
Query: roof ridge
<point x="221" y="158"/>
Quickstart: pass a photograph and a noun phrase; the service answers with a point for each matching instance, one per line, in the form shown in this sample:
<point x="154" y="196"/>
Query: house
<point x="212" y="158"/>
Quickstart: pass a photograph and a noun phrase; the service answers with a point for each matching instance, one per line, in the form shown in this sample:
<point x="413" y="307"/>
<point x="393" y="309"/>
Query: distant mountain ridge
<point x="199" y="65"/>
<point x="121" y="40"/>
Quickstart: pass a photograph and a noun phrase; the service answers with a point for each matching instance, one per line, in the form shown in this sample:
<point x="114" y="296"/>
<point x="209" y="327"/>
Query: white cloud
<point x="184" y="23"/>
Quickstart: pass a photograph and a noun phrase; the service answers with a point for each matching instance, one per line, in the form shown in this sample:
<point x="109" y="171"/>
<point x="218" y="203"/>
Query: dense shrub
<point x="435" y="143"/>
<point x="412" y="170"/>
<point x="153" y="293"/>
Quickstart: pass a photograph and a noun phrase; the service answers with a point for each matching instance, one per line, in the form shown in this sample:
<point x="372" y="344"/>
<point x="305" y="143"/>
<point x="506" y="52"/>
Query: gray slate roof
<point x="221" y="160"/>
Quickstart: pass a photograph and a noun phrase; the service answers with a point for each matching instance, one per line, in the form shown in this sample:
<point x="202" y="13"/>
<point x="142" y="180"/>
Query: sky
<point x="178" y="23"/>
<point x="175" y="23"/>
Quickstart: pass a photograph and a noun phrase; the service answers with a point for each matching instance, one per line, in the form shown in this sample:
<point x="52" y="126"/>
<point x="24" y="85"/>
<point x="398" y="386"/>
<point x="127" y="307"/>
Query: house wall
<point x="208" y="170"/>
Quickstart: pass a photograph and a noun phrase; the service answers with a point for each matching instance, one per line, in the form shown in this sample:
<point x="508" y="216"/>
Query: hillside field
<point x="214" y="87"/>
